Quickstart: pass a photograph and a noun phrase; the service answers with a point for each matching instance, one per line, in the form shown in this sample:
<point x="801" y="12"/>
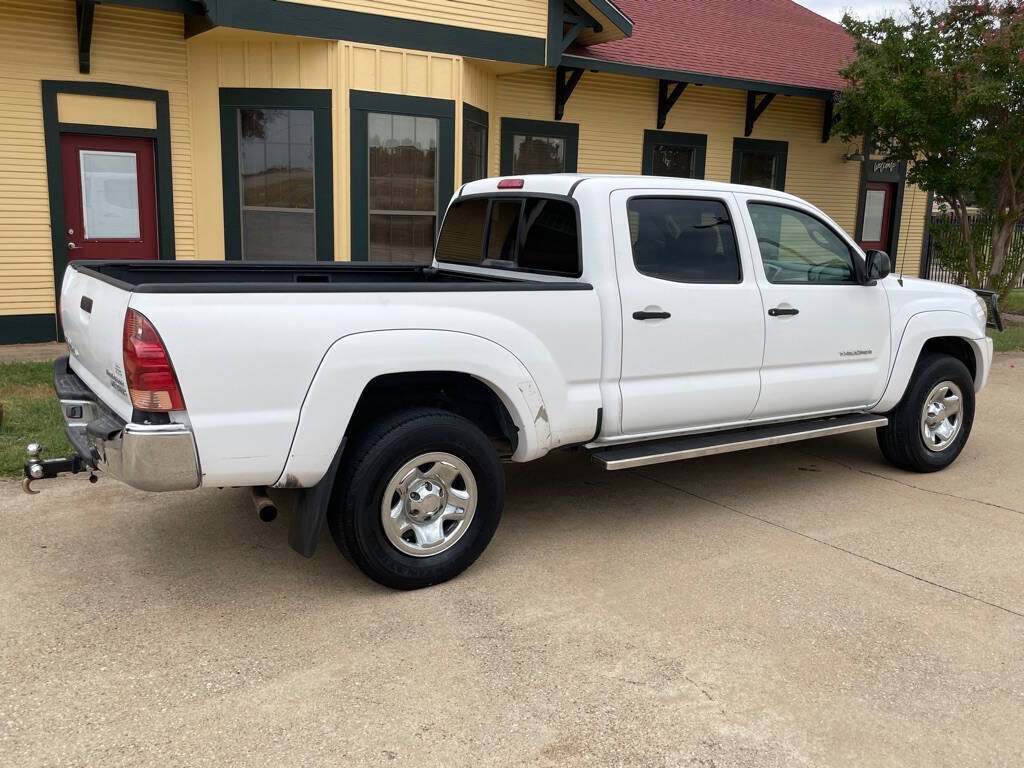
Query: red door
<point x="109" y="197"/>
<point x="878" y="207"/>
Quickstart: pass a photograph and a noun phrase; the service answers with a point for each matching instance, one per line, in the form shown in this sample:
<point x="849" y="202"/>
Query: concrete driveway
<point x="806" y="605"/>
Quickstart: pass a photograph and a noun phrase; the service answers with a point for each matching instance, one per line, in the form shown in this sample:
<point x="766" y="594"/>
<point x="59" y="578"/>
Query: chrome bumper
<point x="150" y="457"/>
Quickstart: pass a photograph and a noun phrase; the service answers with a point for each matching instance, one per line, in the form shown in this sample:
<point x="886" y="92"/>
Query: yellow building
<point x="338" y="129"/>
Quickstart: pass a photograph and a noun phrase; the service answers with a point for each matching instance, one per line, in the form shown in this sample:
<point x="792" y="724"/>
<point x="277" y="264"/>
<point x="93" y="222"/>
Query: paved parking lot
<point x="806" y="605"/>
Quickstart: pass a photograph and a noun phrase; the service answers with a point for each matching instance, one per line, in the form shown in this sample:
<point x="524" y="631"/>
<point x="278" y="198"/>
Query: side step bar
<point x="695" y="446"/>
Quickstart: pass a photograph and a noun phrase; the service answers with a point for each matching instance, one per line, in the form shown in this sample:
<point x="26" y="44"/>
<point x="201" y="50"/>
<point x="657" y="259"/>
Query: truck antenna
<point x="903" y="262"/>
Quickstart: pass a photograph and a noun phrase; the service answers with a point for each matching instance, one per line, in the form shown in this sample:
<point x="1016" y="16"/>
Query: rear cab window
<point x="526" y="233"/>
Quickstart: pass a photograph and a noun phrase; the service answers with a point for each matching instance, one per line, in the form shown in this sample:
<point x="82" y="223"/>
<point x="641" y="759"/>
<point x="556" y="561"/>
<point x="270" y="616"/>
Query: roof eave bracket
<point x="84" y="12"/>
<point x="566" y="80"/>
<point x="829" y="120"/>
<point x="667" y="99"/>
<point x="757" y="103"/>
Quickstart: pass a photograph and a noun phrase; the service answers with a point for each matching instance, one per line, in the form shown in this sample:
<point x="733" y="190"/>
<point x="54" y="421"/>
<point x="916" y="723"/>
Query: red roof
<point x="769" y="41"/>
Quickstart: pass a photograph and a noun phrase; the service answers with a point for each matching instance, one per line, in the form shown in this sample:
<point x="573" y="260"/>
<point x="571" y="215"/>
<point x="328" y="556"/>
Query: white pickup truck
<point x="643" y="319"/>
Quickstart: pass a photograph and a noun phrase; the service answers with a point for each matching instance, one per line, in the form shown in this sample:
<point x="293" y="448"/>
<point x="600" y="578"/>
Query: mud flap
<point x="311" y="510"/>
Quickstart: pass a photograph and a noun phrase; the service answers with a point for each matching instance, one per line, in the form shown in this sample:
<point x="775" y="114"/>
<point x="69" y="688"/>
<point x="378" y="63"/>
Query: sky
<point x="871" y="9"/>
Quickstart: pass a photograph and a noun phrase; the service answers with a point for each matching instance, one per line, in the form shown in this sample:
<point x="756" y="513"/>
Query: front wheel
<point x="419" y="500"/>
<point x="930" y="426"/>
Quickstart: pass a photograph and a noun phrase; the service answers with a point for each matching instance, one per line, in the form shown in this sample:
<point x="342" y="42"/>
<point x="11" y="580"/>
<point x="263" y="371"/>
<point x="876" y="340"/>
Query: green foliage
<point x="31" y="414"/>
<point x="944" y="91"/>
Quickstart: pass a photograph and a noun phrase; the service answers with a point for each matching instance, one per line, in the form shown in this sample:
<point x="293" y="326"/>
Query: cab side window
<point x="686" y="240"/>
<point x="799" y="248"/>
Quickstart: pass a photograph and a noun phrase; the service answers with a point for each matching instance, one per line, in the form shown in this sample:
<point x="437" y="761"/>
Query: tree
<point x="943" y="89"/>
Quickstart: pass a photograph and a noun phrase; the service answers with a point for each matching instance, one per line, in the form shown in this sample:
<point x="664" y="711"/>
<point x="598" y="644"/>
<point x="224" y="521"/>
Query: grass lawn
<point x="1010" y="340"/>
<point x="31" y="414"/>
<point x="1014" y="303"/>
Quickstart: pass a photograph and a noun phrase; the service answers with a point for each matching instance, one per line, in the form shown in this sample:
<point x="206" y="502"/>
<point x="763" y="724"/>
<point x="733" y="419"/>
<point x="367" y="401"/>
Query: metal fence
<point x="932" y="267"/>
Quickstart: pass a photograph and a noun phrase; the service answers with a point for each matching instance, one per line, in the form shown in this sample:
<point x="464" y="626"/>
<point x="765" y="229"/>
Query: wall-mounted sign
<point x="885" y="166"/>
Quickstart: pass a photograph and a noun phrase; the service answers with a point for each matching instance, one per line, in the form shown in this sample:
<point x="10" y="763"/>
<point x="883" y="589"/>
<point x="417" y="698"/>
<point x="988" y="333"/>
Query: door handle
<point x="72" y="246"/>
<point x="783" y="311"/>
<point x="644" y="315"/>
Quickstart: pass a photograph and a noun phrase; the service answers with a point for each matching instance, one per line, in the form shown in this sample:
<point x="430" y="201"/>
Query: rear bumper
<point x="150" y="457"/>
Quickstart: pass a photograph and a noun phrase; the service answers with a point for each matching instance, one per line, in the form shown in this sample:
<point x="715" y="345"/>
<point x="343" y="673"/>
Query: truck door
<point x="692" y="319"/>
<point x="827" y="344"/>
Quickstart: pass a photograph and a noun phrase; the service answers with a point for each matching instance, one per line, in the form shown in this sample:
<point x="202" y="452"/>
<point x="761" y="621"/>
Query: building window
<point x="403" y="174"/>
<point x="402" y="187"/>
<point x="277" y="173"/>
<point x="277" y="165"/>
<point x="667" y="153"/>
<point x="758" y="163"/>
<point x="475" y="126"/>
<point x="535" y="146"/>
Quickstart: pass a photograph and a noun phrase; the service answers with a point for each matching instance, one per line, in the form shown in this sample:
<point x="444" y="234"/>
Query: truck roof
<point x="565" y="183"/>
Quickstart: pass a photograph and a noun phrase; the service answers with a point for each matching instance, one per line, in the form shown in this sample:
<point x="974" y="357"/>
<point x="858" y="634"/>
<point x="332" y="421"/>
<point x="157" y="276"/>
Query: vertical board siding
<point x="37" y="42"/>
<point x="231" y="59"/>
<point x="516" y="17"/>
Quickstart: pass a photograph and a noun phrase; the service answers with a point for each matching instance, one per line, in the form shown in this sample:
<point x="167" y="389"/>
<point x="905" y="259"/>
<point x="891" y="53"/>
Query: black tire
<point x="902" y="442"/>
<point x="376" y="456"/>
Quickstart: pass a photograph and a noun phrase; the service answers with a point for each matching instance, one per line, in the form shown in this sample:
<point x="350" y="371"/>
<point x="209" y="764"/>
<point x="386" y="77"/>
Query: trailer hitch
<point x="38" y="468"/>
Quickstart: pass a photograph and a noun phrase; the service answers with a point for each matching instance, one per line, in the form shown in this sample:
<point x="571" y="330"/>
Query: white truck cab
<point x="644" y="319"/>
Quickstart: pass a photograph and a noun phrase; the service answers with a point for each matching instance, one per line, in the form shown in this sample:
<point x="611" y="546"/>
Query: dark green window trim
<point x="52" y="130"/>
<point x="778" y="148"/>
<point x="510" y="126"/>
<point x="233" y="99"/>
<point x="288" y="18"/>
<point x="475" y="116"/>
<point x="362" y="103"/>
<point x="696" y="141"/>
<point x="28" y="329"/>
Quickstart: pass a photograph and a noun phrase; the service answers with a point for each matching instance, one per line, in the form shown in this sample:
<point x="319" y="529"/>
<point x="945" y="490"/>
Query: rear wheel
<point x="420" y="498"/>
<point x="930" y="426"/>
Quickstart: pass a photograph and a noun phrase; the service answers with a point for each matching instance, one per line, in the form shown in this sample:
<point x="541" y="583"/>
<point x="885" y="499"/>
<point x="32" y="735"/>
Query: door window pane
<point x="278" y="184"/>
<point x="402" y="187"/>
<point x="798" y="248"/>
<point x="537" y="154"/>
<point x="759" y="169"/>
<point x="684" y="240"/>
<point x="110" y="195"/>
<point x="874" y="215"/>
<point x="674" y="160"/>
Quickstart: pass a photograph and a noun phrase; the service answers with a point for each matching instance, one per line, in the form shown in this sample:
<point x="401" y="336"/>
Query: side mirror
<point x="878" y="265"/>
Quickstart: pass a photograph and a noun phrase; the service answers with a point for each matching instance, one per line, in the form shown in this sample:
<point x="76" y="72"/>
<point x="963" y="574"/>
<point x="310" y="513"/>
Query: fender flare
<point x="353" y="361"/>
<point x="920" y="328"/>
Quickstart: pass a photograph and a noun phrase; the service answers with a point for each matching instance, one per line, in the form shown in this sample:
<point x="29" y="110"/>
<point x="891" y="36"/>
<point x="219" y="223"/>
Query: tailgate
<point x="92" y="314"/>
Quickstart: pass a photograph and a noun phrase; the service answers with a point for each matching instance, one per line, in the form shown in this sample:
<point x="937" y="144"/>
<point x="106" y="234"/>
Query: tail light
<point x="152" y="383"/>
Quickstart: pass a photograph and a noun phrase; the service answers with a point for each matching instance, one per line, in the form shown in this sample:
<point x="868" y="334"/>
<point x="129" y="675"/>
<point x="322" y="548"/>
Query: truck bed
<point x="289" y="277"/>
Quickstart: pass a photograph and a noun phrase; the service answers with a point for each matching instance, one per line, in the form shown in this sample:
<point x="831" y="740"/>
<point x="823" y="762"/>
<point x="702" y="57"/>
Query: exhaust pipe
<point x="265" y="507"/>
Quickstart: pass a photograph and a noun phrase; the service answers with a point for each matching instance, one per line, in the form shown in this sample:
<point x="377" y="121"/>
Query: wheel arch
<point x="942" y="332"/>
<point x="361" y="370"/>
